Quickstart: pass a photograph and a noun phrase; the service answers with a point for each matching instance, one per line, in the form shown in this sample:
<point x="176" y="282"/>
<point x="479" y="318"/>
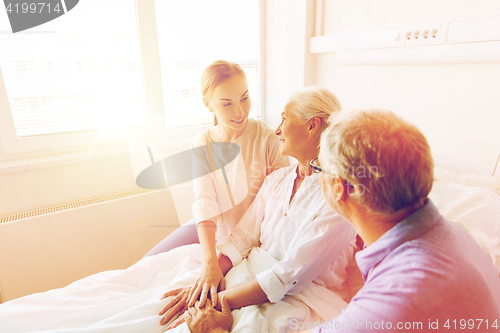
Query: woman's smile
<point x="239" y="121"/>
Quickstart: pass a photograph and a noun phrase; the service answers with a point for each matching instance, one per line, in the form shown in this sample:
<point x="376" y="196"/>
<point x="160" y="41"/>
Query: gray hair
<point x="313" y="102"/>
<point x="385" y="158"/>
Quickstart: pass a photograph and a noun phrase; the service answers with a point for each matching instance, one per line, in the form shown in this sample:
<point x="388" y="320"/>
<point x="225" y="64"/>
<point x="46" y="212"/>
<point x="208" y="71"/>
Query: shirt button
<point x="285" y="214"/>
<point x="294" y="282"/>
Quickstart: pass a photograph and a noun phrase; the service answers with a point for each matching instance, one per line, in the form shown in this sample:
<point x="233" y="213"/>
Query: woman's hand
<point x="211" y="279"/>
<point x="176" y="305"/>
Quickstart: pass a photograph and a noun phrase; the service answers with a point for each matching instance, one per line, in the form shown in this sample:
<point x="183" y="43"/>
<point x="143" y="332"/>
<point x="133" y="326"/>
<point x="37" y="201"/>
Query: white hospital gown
<point x="310" y="241"/>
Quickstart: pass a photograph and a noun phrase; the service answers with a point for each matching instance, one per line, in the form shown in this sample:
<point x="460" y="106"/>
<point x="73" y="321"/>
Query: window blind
<point x="194" y="33"/>
<point x="79" y="72"/>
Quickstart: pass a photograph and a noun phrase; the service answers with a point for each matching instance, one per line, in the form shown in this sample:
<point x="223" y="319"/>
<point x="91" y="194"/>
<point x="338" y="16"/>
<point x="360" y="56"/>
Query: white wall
<point x="288" y="64"/>
<point x="45" y="187"/>
<point x="457" y="106"/>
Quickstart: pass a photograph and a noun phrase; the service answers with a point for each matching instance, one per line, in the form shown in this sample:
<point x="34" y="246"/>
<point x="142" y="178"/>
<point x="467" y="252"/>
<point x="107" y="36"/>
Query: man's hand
<point x="178" y="304"/>
<point x="208" y="319"/>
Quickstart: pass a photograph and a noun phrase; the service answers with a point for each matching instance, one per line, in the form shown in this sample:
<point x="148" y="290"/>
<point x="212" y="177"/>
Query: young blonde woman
<point x="223" y="196"/>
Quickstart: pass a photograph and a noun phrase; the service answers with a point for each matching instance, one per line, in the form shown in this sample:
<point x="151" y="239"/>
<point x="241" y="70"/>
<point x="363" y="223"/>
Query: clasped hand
<point x="206" y="319"/>
<point x="206" y="286"/>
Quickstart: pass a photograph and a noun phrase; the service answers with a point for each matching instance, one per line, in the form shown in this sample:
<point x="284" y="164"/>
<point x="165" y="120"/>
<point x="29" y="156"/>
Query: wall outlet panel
<point x="425" y="34"/>
<point x="457" y="41"/>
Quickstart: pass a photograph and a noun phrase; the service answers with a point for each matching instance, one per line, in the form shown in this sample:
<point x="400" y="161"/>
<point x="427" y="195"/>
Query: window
<point x="69" y="76"/>
<point x="74" y="76"/>
<point x="90" y="69"/>
<point x="194" y="33"/>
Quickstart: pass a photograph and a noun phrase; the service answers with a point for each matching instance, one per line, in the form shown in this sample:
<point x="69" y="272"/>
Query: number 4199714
<point x="32" y="8"/>
<point x="470" y="324"/>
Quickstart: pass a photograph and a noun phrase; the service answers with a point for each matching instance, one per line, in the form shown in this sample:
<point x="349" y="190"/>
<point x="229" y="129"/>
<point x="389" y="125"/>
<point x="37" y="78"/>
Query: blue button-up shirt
<point x="426" y="274"/>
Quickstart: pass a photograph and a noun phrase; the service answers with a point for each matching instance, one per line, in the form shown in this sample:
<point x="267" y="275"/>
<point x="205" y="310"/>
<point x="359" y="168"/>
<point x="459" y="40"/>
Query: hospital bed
<point x="128" y="300"/>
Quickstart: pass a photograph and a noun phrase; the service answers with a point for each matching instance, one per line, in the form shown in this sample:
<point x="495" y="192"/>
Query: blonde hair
<point x="386" y="159"/>
<point x="215" y="74"/>
<point x="313" y="102"/>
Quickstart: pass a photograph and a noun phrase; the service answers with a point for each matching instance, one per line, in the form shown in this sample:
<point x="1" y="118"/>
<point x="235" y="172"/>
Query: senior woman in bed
<point x="289" y="219"/>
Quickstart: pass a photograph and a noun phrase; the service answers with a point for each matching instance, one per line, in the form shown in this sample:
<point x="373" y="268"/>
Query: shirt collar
<point x="308" y="181"/>
<point x="312" y="177"/>
<point x="410" y="228"/>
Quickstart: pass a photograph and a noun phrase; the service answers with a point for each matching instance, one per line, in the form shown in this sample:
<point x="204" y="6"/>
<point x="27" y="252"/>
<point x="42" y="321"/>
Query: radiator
<point x="52" y="247"/>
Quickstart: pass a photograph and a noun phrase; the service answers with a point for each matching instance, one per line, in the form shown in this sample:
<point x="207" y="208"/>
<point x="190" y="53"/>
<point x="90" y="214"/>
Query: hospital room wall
<point x="288" y="64"/>
<point x="40" y="187"/>
<point x="455" y="105"/>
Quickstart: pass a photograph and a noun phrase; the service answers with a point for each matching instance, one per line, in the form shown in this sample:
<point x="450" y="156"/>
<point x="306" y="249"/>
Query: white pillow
<point x="469" y="179"/>
<point x="477" y="210"/>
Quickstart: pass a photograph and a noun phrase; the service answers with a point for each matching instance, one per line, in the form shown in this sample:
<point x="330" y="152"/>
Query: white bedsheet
<point x="129" y="300"/>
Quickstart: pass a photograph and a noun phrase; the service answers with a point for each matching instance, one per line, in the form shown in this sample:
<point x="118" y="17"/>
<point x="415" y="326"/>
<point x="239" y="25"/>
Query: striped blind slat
<point x="76" y="78"/>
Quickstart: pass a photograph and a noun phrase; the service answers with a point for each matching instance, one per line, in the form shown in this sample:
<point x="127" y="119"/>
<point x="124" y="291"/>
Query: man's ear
<point x="339" y="189"/>
<point x="314" y="126"/>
